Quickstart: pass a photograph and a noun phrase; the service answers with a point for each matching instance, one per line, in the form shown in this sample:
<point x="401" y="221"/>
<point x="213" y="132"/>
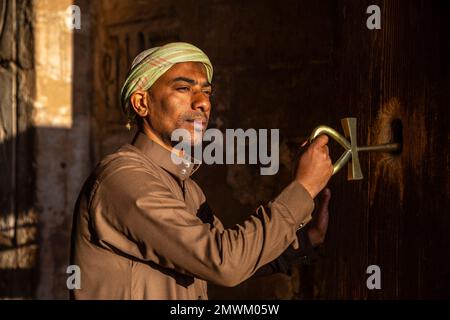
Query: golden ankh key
<point x="351" y="148"/>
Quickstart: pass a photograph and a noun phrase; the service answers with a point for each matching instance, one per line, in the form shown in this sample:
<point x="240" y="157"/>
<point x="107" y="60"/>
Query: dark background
<point x="290" y="65"/>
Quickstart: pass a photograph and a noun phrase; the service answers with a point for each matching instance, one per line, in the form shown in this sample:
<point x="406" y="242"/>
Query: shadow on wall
<point x="37" y="194"/>
<point x="18" y="219"/>
<point x="18" y="216"/>
<point x="42" y="167"/>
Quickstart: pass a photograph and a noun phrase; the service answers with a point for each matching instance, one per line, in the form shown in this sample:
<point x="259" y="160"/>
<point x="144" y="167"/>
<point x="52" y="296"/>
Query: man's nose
<point x="200" y="101"/>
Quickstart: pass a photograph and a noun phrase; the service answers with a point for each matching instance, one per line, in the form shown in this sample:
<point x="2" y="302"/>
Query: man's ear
<point x="140" y="103"/>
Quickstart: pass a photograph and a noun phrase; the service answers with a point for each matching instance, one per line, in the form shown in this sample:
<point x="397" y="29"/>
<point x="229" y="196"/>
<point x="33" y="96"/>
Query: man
<point x="142" y="228"/>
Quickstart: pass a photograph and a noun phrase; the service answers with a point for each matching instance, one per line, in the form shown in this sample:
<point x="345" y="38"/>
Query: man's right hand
<point x="314" y="167"/>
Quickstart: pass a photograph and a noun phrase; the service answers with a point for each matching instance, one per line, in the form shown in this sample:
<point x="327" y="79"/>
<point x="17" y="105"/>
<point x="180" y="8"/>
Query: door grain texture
<point x="396" y="82"/>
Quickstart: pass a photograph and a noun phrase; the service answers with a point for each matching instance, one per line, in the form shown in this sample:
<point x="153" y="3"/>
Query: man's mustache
<point x="193" y="116"/>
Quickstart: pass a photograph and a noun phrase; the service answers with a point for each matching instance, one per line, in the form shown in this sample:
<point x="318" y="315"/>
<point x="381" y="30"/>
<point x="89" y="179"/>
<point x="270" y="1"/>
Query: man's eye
<point x="208" y="92"/>
<point x="183" y="89"/>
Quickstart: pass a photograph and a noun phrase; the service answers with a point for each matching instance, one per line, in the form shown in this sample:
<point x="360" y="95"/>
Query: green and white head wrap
<point x="152" y="63"/>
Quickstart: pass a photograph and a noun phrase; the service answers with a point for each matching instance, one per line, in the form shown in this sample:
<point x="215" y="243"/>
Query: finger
<point x="326" y="196"/>
<point x="323" y="212"/>
<point x="331" y="169"/>
<point x="324" y="200"/>
<point x="320" y="141"/>
<point x="326" y="151"/>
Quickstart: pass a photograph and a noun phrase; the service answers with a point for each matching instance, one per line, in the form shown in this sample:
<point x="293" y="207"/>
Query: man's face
<point x="180" y="99"/>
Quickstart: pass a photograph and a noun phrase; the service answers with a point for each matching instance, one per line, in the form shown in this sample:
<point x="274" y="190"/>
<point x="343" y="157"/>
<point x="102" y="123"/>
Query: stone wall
<point x="62" y="147"/>
<point x="45" y="143"/>
<point x="18" y="216"/>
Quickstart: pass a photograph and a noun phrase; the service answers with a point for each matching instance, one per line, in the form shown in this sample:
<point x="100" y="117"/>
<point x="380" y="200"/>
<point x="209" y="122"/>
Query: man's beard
<point x="197" y="121"/>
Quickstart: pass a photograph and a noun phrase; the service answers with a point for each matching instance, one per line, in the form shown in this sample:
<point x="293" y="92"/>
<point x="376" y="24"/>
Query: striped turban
<point x="151" y="64"/>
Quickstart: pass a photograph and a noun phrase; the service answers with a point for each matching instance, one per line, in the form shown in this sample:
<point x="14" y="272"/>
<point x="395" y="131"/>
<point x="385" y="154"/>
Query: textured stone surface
<point x="18" y="218"/>
<point x="62" y="136"/>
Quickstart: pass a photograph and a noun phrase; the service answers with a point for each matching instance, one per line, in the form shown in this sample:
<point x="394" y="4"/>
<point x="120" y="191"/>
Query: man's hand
<point x="317" y="229"/>
<point x="314" y="167"/>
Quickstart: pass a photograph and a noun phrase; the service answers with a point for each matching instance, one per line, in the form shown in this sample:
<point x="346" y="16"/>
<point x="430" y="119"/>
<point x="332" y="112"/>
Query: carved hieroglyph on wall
<point x="121" y="43"/>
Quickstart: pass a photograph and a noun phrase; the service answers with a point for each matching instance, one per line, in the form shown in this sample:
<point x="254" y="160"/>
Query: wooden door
<point x="396" y="82"/>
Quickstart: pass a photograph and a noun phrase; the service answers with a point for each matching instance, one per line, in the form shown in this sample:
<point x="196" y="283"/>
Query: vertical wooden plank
<point x="345" y="254"/>
<point x="428" y="191"/>
<point x="404" y="231"/>
<point x="384" y="200"/>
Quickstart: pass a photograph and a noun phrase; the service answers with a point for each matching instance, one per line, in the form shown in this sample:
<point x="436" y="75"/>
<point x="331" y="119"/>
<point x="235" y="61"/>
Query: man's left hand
<point x="319" y="224"/>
